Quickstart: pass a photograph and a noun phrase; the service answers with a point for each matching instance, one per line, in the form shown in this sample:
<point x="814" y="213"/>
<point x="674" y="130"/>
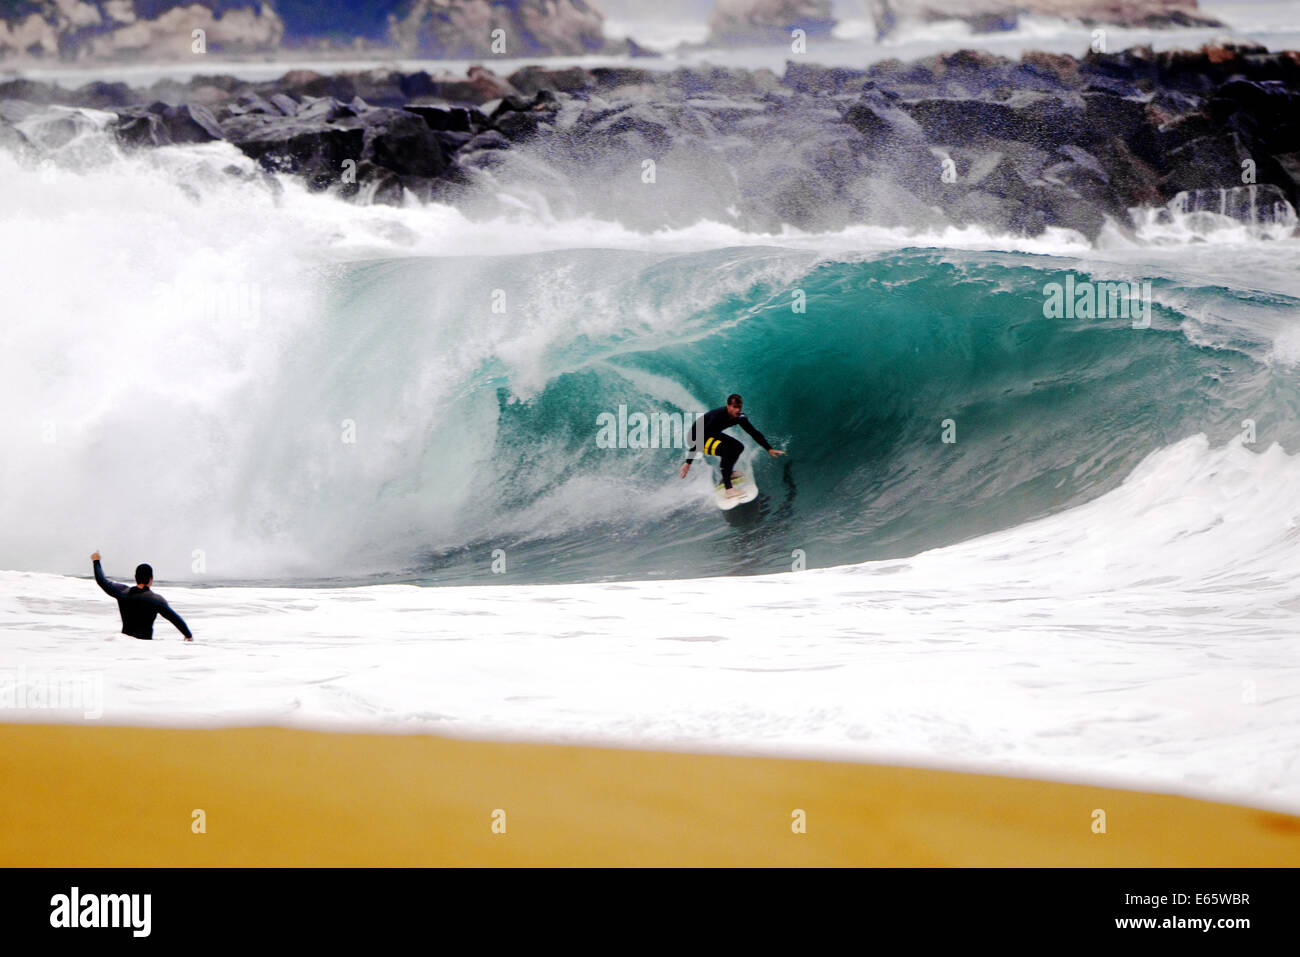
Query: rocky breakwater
<point x="1014" y="146"/>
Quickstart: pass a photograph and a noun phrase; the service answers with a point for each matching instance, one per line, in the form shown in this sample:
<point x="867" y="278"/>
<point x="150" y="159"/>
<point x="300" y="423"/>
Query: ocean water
<point x="360" y="446"/>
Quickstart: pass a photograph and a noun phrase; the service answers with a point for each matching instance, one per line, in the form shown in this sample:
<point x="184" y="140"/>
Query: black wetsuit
<point x="714" y="442"/>
<point x="139" y="607"/>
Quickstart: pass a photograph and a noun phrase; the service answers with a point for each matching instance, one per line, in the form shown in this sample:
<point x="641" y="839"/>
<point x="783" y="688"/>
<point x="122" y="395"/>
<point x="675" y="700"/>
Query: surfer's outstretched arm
<point x="758" y="436"/>
<point x="165" y="610"/>
<point x="113" y="589"/>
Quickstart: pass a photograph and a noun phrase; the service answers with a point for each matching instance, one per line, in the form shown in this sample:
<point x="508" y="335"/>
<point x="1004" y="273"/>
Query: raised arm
<point x="113" y="589"/>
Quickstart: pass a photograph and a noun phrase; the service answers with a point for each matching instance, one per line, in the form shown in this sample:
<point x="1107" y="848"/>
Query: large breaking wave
<point x="236" y="386"/>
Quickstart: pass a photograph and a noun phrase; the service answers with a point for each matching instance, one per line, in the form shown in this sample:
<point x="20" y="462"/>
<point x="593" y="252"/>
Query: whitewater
<point x="1096" y="581"/>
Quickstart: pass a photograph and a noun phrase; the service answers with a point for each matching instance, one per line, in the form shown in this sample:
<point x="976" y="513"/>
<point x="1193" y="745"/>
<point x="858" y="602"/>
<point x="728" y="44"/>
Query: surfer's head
<point x="734" y="404"/>
<point x="144" y="574"/>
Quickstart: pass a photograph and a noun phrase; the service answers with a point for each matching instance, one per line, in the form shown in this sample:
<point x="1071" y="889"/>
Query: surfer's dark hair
<point x="143" y="574"/>
<point x="734" y="399"/>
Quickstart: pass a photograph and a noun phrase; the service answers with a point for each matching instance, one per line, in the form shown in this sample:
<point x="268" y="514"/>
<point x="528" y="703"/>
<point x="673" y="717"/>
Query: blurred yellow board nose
<point x="89" y="796"/>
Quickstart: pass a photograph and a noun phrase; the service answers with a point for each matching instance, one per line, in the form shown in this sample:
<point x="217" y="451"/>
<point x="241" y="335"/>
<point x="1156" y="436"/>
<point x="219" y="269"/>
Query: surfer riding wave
<point x="707" y="436"/>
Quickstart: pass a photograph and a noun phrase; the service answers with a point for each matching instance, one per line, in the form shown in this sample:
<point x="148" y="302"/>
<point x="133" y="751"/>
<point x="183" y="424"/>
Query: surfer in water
<point x="139" y="605"/>
<point x="707" y="436"/>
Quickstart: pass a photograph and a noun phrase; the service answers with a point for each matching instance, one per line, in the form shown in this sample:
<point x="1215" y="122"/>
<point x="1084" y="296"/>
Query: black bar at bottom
<point x="302" y="907"/>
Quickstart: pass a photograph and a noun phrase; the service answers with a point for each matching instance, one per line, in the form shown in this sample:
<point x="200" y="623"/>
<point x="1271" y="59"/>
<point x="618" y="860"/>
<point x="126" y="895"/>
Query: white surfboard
<point x="748" y="492"/>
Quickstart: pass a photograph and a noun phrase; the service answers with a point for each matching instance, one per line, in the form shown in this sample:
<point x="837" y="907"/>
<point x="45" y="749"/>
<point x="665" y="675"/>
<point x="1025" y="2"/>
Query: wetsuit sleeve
<point x="111" y="588"/>
<point x="165" y="610"/>
<point x="758" y="436"/>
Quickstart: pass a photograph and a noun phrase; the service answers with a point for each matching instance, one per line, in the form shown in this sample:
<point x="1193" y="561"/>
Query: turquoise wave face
<point x="923" y="397"/>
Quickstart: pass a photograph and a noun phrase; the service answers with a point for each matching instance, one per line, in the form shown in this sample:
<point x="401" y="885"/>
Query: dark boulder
<point x="634" y="129"/>
<point x="1136" y="67"/>
<point x="1040" y="119"/>
<point x="1004" y="172"/>
<point x="402" y="142"/>
<point x="533" y="79"/>
<point x="102" y="96"/>
<point x="251" y="103"/>
<point x="304" y="83"/>
<point x="32" y="91"/>
<point x="416" y="85"/>
<point x="446" y="118"/>
<point x="1284" y="170"/>
<point x="1107" y="117"/>
<point x="1266" y="110"/>
<point x="325" y="109"/>
<point x="286" y="104"/>
<point x="1211" y="161"/>
<point x="517" y="118"/>
<point x="1169" y="104"/>
<point x="881" y="123"/>
<point x="518" y="125"/>
<point x="315" y="151"/>
<point x="190" y="123"/>
<point x="452" y="141"/>
<point x="1062" y="207"/>
<point x="374" y="186"/>
<point x="1133" y="181"/>
<point x="1081" y="174"/>
<point x="1059" y="70"/>
<point x="1112" y="85"/>
<point x="379" y="88"/>
<point x="141" y="129"/>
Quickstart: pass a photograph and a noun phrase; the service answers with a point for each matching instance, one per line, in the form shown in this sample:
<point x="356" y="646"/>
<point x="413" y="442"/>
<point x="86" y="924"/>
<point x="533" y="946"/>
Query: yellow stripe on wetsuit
<point x="711" y="446"/>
